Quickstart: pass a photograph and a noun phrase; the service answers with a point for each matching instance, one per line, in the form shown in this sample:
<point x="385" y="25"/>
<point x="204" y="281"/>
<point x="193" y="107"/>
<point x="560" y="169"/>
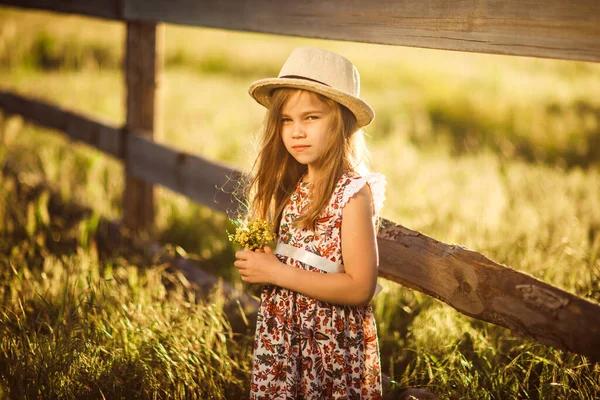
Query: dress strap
<point x="377" y="184"/>
<point x="313" y="260"/>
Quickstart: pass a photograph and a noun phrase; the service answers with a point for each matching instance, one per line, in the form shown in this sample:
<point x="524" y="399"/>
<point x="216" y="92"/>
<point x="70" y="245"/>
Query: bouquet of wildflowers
<point x="253" y="235"/>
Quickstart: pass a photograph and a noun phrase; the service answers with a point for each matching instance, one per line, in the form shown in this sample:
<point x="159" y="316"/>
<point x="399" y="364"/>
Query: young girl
<point x="315" y="335"/>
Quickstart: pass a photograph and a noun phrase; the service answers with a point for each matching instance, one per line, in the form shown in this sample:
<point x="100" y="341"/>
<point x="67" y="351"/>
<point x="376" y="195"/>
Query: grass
<point x="499" y="154"/>
<point x="77" y="321"/>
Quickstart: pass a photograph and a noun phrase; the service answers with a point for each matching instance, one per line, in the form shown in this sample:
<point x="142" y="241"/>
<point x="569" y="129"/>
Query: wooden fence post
<point x="144" y="63"/>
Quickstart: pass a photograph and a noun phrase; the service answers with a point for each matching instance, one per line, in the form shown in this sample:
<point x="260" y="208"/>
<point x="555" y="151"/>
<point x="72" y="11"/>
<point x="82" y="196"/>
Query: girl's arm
<point x="359" y="250"/>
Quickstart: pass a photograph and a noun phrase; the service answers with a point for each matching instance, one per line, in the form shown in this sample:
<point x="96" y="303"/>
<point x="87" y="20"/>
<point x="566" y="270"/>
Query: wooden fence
<point x="464" y="279"/>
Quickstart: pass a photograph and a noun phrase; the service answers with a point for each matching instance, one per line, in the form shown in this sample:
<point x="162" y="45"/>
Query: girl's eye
<point x="312" y="117"/>
<point x="284" y="120"/>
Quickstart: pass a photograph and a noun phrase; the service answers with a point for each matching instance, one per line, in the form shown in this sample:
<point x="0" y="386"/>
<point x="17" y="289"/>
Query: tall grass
<point x="496" y="153"/>
<point x="74" y="325"/>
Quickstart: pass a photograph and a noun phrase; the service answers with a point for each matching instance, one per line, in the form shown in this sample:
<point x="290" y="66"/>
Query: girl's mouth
<point x="300" y="148"/>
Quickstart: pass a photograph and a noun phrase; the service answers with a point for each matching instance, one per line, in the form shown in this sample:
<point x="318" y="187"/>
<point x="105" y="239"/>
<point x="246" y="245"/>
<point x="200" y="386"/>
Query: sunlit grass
<point x="74" y="325"/>
<point x="73" y="329"/>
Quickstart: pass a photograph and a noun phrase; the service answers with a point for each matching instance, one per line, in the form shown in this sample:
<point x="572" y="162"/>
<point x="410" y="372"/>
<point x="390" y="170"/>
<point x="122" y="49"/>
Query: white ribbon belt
<point x="309" y="258"/>
<point x="313" y="260"/>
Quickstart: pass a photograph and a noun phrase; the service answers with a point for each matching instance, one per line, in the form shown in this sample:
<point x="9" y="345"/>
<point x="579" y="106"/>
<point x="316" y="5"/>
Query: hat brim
<point x="261" y="92"/>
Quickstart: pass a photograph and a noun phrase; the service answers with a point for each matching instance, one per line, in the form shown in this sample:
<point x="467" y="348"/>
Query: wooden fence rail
<point x="540" y="28"/>
<point x="99" y="134"/>
<point x="464" y="279"/>
<point x="206" y="182"/>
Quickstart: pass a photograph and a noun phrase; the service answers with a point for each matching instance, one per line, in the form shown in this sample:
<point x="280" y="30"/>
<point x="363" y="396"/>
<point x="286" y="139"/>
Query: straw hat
<point x="322" y="72"/>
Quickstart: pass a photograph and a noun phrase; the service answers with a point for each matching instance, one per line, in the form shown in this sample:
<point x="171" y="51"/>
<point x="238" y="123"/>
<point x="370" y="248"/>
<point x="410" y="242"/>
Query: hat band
<point x="305" y="78"/>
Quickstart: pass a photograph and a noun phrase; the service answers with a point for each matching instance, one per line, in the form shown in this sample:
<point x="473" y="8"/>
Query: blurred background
<point x="500" y="154"/>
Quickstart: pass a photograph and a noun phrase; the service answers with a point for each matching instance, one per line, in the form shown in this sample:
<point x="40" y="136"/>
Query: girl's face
<point x="305" y="123"/>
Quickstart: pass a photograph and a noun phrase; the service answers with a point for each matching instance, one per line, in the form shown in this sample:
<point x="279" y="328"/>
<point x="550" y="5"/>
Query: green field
<point x="500" y="154"/>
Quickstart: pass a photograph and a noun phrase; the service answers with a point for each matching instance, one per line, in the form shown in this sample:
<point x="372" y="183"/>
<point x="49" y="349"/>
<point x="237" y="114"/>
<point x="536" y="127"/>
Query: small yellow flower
<point x="253" y="235"/>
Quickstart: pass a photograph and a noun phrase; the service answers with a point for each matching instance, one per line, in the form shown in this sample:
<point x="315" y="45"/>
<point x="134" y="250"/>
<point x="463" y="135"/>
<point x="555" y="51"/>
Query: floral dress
<point x="306" y="348"/>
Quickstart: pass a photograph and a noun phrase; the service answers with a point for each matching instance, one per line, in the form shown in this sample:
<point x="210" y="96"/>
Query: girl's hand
<point x="258" y="266"/>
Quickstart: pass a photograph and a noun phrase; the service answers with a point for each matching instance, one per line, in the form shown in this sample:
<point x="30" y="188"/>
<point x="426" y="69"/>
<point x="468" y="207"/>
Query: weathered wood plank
<point x="108" y="9"/>
<point x="206" y="182"/>
<point x="100" y="134"/>
<point x="550" y="28"/>
<point x="541" y="28"/>
<point x="485" y="290"/>
<point x="144" y="64"/>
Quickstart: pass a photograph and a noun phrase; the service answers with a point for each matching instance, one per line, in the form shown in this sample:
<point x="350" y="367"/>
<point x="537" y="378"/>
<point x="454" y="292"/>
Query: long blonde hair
<point x="276" y="173"/>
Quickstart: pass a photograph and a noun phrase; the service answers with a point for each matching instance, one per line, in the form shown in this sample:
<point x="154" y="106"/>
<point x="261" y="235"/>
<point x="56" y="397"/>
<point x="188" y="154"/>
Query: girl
<point x="315" y="335"/>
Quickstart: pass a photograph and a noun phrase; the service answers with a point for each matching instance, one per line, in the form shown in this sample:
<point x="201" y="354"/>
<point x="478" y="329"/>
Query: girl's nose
<point x="298" y="132"/>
